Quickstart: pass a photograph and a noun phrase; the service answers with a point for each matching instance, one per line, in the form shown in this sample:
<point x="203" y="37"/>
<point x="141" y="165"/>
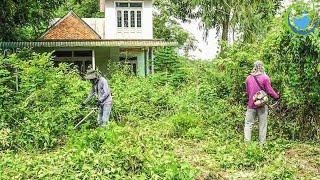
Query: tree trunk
<point x="225" y="31"/>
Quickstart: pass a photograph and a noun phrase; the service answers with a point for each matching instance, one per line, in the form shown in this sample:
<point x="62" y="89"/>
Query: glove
<point x="98" y="104"/>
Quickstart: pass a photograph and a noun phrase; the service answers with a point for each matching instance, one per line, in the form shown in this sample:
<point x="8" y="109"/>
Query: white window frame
<point x="78" y="59"/>
<point x="129" y="9"/>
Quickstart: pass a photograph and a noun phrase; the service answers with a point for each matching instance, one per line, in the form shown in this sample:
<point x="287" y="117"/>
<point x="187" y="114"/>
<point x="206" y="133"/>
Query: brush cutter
<point x="273" y="105"/>
<point x="274" y="108"/>
<point x="92" y="111"/>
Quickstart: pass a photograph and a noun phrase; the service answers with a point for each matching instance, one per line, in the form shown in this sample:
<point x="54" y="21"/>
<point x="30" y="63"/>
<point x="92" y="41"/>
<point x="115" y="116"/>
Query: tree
<point x="83" y="8"/>
<point x="25" y="19"/>
<point x="169" y="66"/>
<point x="167" y="27"/>
<point x="246" y="17"/>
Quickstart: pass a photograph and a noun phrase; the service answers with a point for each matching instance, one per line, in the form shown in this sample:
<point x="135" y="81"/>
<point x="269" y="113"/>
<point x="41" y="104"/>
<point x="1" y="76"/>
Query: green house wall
<point x="104" y="56"/>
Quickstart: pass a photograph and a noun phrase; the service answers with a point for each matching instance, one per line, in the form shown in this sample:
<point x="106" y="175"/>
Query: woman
<point x="255" y="82"/>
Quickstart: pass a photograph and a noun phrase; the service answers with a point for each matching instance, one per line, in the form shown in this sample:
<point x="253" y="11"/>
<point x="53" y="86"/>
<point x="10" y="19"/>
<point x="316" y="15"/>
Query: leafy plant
<point x="41" y="101"/>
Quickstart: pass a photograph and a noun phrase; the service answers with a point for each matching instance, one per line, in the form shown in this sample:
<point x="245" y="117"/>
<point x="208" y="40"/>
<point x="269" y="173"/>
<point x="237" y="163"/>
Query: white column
<point x="148" y="62"/>
<point x="151" y="59"/>
<point x="93" y="60"/>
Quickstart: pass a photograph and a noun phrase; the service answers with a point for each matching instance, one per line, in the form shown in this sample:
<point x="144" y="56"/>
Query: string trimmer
<point x="271" y="106"/>
<point x="92" y="111"/>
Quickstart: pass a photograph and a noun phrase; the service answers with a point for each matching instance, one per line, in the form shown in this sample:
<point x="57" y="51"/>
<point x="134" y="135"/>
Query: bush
<point x="41" y="102"/>
<point x="170" y="67"/>
<point x="185" y="124"/>
<point x="139" y="97"/>
<point x="292" y="63"/>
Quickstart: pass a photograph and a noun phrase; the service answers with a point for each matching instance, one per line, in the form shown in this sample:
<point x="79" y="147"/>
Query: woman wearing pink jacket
<point x="255" y="82"/>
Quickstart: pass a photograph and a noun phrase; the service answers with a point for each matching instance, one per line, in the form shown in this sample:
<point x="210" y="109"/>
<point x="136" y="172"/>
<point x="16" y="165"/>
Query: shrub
<point x="185" y="124"/>
<point x="170" y="67"/>
<point x="139" y="97"/>
<point x="292" y="63"/>
<point x="41" y="102"/>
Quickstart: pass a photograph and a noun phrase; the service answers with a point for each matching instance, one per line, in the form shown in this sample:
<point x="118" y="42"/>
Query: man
<point x="101" y="90"/>
<point x="256" y="82"/>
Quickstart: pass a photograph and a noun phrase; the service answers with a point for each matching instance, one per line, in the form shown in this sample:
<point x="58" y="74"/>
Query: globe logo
<point x="302" y="22"/>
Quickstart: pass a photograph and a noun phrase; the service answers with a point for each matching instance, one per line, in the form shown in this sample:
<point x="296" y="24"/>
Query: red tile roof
<point x="70" y="27"/>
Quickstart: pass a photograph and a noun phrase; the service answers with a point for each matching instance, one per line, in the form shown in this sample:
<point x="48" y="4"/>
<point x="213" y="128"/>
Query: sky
<point x="206" y="49"/>
<point x="209" y="49"/>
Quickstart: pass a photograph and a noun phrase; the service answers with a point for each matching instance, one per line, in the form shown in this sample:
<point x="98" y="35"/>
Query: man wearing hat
<point x="102" y="91"/>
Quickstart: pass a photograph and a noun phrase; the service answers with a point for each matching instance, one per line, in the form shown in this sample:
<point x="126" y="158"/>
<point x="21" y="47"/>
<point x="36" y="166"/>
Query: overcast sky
<point x="206" y="50"/>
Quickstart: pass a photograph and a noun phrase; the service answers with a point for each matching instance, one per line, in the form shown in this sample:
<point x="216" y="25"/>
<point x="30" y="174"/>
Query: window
<point x="87" y="65"/>
<point x="81" y="60"/>
<point x="62" y="53"/>
<point x="138" y="18"/>
<point x="136" y="5"/>
<point x="134" y="68"/>
<point x="82" y="66"/>
<point x="82" y="54"/>
<point x="77" y="64"/>
<point x="126" y="19"/>
<point x="120" y="4"/>
<point x="119" y="18"/>
<point x="129" y="14"/>
<point x="132" y="19"/>
<point x="123" y="4"/>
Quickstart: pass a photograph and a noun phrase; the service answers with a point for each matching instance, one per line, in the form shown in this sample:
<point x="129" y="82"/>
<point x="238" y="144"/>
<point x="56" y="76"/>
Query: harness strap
<point x="255" y="78"/>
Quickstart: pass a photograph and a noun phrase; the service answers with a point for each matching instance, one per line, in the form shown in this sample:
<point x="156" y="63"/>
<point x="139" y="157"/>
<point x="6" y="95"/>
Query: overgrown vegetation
<point x="184" y="122"/>
<point x="292" y="61"/>
<point x="40" y="101"/>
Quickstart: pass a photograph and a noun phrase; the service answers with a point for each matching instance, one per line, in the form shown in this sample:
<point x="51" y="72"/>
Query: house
<point x="124" y="35"/>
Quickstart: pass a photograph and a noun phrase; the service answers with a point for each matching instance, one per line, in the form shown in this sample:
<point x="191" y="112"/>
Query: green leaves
<point x="169" y="66"/>
<point x="83" y="8"/>
<point x="158" y="130"/>
<point x="251" y="18"/>
<point x="184" y="122"/>
<point x="46" y="103"/>
<point x="167" y="27"/>
<point x="25" y="20"/>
